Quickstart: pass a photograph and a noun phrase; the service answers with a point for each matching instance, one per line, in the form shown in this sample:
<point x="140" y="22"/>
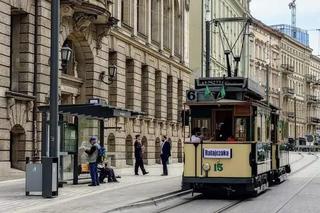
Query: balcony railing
<point x="287" y="69"/>
<point x="312" y="99"/>
<point x="310" y="78"/>
<point x="289" y="114"/>
<point x="287" y="91"/>
<point x="313" y="120"/>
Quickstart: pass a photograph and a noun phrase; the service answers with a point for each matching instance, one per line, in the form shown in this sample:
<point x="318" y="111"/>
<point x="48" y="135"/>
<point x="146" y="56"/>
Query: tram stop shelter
<point x="77" y="123"/>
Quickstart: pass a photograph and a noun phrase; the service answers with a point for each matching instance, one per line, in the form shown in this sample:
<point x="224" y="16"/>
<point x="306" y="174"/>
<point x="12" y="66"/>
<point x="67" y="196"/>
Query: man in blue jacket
<point x="165" y="154"/>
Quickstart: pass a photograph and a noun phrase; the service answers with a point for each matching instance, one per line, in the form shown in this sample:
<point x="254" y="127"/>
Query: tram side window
<point x="203" y="124"/>
<point x="241" y="129"/>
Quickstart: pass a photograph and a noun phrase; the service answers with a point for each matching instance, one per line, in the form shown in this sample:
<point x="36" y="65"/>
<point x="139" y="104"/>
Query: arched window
<point x="177" y="28"/>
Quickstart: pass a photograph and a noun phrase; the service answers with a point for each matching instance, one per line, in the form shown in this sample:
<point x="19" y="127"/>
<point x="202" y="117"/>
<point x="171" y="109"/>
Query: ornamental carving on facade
<point x="82" y="21"/>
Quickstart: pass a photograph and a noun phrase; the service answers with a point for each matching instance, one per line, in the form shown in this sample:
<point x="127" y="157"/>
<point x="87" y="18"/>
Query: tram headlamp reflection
<point x="206" y="167"/>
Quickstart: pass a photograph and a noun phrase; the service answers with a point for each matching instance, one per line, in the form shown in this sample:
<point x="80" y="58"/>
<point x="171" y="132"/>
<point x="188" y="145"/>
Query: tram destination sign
<point x="217" y="153"/>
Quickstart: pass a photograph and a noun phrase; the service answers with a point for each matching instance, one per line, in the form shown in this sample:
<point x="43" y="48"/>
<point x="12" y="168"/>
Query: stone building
<point x="293" y="78"/>
<point x="216" y="9"/>
<point x="149" y="47"/>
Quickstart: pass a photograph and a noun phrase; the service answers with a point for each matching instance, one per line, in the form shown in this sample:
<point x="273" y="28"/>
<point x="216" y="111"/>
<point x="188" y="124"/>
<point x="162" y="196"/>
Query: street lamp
<point x="112" y="73"/>
<point x="66" y="53"/>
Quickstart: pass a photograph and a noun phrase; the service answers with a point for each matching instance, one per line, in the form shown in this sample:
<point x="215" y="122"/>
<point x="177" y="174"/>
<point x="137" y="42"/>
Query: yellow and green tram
<point x="233" y="141"/>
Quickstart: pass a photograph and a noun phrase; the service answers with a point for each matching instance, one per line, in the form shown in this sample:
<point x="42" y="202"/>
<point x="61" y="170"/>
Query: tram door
<point x="223" y="124"/>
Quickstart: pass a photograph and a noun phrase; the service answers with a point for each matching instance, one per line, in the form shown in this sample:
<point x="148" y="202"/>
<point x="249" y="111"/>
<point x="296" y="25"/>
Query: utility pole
<point x="267" y="84"/>
<point x="208" y="41"/>
<point x="54" y="70"/>
<point x="295" y="117"/>
<point x="208" y="48"/>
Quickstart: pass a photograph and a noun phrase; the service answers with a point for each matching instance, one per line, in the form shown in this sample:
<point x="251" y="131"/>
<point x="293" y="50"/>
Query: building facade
<point x="148" y="45"/>
<point x="292" y="74"/>
<point x="216" y="9"/>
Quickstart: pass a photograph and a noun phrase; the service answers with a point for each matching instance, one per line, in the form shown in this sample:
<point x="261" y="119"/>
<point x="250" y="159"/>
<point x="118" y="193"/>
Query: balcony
<point x="313" y="120"/>
<point x="288" y="91"/>
<point x="287" y="69"/>
<point x="310" y="78"/>
<point x="312" y="99"/>
<point x="289" y="114"/>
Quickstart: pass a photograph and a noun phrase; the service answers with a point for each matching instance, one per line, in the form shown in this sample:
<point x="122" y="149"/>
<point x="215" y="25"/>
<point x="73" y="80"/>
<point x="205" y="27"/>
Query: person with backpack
<point x="93" y="155"/>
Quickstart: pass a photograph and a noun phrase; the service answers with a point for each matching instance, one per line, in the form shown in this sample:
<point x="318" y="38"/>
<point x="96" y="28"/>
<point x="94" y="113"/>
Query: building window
<point x="125" y="12"/>
<point x="177" y="29"/>
<point x="166" y="24"/>
<point x="141" y="16"/>
<point x="155" y="20"/>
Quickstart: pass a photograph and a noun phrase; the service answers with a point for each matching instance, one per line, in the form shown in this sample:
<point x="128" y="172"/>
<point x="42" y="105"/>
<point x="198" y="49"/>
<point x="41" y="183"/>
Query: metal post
<point x="295" y="118"/>
<point x="267" y="84"/>
<point x="54" y="68"/>
<point x="208" y="49"/>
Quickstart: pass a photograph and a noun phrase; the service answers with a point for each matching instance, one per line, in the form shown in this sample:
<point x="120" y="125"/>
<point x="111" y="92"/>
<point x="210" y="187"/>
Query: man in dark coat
<point x="138" y="156"/>
<point x="165" y="154"/>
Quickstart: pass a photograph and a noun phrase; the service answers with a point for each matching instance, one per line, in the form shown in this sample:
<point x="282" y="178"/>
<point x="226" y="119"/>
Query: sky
<point x="277" y="12"/>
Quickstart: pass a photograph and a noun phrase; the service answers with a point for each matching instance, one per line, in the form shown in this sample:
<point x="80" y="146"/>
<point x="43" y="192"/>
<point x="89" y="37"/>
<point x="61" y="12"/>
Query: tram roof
<point x="219" y="102"/>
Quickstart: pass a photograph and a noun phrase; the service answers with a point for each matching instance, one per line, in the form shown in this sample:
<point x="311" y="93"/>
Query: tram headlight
<point x="206" y="167"/>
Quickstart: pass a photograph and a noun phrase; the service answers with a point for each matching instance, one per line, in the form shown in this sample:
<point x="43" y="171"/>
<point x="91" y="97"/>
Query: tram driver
<point x="196" y="136"/>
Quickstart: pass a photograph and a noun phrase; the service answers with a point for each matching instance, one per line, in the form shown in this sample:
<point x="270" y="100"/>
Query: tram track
<point x="307" y="165"/>
<point x="236" y="203"/>
<point x="302" y="187"/>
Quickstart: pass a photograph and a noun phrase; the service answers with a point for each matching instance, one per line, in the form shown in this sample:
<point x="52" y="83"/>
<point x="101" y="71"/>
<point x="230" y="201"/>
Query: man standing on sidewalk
<point x="138" y="156"/>
<point x="165" y="154"/>
<point x="92" y="159"/>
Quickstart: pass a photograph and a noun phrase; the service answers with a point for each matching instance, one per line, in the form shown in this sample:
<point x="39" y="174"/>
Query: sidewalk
<point x="13" y="199"/>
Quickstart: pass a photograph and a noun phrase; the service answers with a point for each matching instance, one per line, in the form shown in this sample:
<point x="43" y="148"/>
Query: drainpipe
<point x="35" y="85"/>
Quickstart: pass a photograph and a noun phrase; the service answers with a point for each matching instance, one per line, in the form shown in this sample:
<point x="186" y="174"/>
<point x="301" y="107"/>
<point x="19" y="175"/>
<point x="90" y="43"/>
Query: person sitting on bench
<point x="106" y="171"/>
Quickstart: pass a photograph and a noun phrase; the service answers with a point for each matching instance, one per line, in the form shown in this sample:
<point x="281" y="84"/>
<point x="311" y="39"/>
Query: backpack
<point x="102" y="154"/>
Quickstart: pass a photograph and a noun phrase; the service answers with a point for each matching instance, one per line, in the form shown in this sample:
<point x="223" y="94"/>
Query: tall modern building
<point x="148" y="46"/>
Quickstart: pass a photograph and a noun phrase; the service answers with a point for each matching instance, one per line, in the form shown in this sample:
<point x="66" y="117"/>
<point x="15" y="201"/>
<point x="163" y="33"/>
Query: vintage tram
<point x="232" y="144"/>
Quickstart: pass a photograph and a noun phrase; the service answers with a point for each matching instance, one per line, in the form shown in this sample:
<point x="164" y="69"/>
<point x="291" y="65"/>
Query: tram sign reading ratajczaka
<point x="217" y="153"/>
